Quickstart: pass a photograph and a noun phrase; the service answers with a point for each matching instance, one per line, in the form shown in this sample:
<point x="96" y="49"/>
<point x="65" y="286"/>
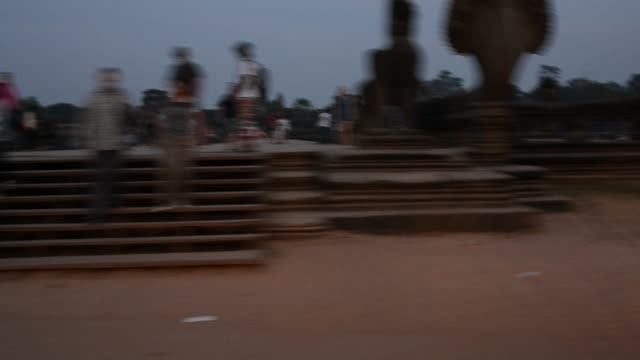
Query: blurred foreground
<point x="564" y="291"/>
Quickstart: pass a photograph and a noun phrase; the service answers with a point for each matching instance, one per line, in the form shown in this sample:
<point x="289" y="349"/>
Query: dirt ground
<point x="347" y="296"/>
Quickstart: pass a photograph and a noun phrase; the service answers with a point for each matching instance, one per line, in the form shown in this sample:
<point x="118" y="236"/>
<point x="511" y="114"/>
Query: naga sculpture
<point x="497" y="33"/>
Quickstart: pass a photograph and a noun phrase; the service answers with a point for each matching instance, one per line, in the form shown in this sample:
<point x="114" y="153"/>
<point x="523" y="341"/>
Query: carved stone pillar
<point x="493" y="121"/>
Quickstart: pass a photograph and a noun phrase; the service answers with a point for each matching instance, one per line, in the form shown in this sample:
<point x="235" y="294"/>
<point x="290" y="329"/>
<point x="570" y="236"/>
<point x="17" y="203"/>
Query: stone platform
<point x="239" y="201"/>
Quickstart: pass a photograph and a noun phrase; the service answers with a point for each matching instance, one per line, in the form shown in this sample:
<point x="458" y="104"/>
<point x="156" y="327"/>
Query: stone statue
<point x="395" y="83"/>
<point x="497" y="33"/>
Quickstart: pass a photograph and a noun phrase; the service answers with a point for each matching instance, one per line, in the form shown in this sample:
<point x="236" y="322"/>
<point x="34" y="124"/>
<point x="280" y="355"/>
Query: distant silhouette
<point x="395" y="81"/>
<point x="185" y="77"/>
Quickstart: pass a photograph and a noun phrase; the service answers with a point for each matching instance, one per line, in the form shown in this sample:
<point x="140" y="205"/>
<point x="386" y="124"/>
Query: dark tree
<point x="303" y="103"/>
<point x="445" y="84"/>
<point x="633" y="85"/>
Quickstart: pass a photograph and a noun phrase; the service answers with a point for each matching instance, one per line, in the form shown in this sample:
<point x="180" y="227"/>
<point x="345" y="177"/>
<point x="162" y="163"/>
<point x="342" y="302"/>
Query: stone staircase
<point x="570" y="162"/>
<point x="296" y="195"/>
<point x="532" y="188"/>
<point x="385" y="139"/>
<point x="376" y="190"/>
<point x="43" y="218"/>
<point x="240" y="200"/>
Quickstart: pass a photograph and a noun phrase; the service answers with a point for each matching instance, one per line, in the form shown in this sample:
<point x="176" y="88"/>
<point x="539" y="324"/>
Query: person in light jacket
<point x="106" y="115"/>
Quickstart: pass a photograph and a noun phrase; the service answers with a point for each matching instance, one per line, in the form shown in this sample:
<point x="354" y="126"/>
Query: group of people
<point x="108" y="112"/>
<point x="108" y="118"/>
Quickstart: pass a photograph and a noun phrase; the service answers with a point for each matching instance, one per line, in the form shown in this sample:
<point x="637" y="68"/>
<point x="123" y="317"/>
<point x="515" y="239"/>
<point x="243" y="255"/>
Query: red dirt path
<point x="351" y="296"/>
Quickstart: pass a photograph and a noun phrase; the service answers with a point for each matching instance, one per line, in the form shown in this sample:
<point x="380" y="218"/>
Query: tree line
<point x="550" y="87"/>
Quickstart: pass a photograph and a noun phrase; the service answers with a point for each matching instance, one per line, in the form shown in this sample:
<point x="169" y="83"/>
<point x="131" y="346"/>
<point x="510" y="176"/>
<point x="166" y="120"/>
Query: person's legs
<point x="165" y="166"/>
<point x="246" y="115"/>
<point x="183" y="157"/>
<point x="30" y="139"/>
<point x="174" y="171"/>
<point x="100" y="191"/>
<point x="111" y="178"/>
<point x="324" y="134"/>
<point x="7" y="177"/>
<point x="175" y="136"/>
<point x="5" y="164"/>
<point x="179" y="158"/>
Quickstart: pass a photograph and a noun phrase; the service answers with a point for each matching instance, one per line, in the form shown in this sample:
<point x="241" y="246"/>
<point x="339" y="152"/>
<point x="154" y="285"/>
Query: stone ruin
<point x="394" y="88"/>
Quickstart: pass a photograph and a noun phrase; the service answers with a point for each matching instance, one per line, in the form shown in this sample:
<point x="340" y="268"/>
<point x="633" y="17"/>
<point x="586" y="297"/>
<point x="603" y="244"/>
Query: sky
<point x="310" y="46"/>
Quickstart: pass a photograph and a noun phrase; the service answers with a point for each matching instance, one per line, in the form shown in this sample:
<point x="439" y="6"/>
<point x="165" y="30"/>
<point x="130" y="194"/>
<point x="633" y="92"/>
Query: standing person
<point x="185" y="78"/>
<point x="283" y="127"/>
<point x="8" y="105"/>
<point x="175" y="128"/>
<point x="343" y="114"/>
<point x="29" y="124"/>
<point x="325" y="122"/>
<point x="106" y="115"/>
<point x="227" y="105"/>
<point x="271" y="124"/>
<point x="248" y="96"/>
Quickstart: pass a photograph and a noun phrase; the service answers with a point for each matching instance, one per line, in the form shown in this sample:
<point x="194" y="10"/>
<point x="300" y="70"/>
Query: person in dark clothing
<point x="185" y="77"/>
<point x="228" y="106"/>
<point x="176" y="161"/>
<point x="272" y="123"/>
<point x="176" y="139"/>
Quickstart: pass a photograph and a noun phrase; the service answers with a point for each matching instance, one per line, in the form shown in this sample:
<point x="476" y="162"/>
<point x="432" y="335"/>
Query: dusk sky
<point x="310" y="46"/>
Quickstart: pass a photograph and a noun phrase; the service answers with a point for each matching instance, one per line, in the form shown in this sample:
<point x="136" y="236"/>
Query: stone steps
<point x="133" y="214"/>
<point x="137" y="171"/>
<point x="385" y="140"/>
<point x="435" y="220"/>
<point x="418" y="190"/>
<point x="425" y="199"/>
<point x="367" y="166"/>
<point x="298" y="225"/>
<point x="132" y="211"/>
<point x="296" y="195"/>
<point x="531" y="189"/>
<point x="565" y="147"/>
<point x="422" y="189"/>
<point x="43" y="217"/>
<point x="44" y="230"/>
<point x="374" y="205"/>
<point x="546" y="202"/>
<point x="571" y="178"/>
<point x="293" y="180"/>
<point x="132" y="261"/>
<point x="151" y="185"/>
<point x="128" y="200"/>
<point x="296" y="200"/>
<point x="133" y="241"/>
